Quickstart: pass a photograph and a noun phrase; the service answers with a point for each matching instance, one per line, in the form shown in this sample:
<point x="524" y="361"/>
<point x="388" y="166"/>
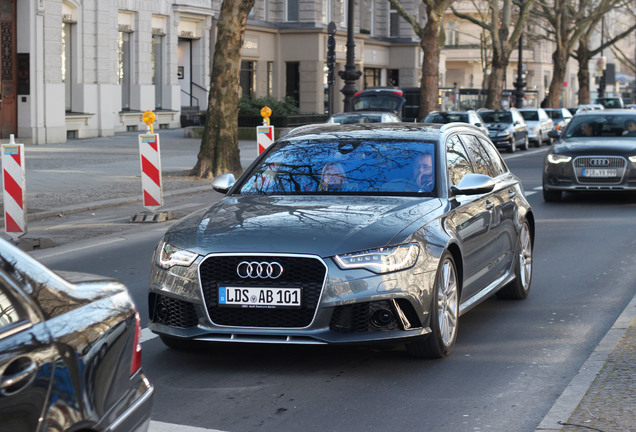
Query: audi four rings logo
<point x="255" y="269"/>
<point x="599" y="162"/>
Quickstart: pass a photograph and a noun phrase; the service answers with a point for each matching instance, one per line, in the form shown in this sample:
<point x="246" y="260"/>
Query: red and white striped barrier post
<point x="14" y="189"/>
<point x="265" y="133"/>
<point x="150" y="156"/>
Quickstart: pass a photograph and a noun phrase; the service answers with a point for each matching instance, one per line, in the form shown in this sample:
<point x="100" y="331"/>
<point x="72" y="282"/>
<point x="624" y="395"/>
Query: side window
<point x="457" y="160"/>
<point x="11" y="311"/>
<point x="497" y="164"/>
<point x="479" y="157"/>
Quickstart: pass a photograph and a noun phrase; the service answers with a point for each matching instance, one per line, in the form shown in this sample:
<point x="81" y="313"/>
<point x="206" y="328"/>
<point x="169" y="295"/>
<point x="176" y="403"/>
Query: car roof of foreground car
<point x="424" y="131"/>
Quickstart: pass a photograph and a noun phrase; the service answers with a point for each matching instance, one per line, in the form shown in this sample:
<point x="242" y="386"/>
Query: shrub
<point x="252" y="107"/>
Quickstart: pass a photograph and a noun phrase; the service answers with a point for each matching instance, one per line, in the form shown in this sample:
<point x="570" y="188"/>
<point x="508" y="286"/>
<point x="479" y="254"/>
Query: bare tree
<point x="219" y="152"/>
<point x="583" y="53"/>
<point x="568" y="23"/>
<point x="504" y="36"/>
<point x="431" y="40"/>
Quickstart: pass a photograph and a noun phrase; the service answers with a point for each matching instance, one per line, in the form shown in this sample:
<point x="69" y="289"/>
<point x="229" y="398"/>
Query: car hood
<point x="498" y="126"/>
<point x="608" y="146"/>
<point x="318" y="225"/>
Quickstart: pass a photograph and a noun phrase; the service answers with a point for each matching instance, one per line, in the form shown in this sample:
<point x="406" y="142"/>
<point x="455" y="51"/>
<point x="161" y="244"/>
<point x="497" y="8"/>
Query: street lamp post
<point x="519" y="84"/>
<point x="350" y="75"/>
<point x="601" y="81"/>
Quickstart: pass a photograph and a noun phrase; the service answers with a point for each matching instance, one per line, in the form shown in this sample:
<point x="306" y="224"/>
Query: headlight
<point x="557" y="158"/>
<point x="504" y="132"/>
<point x="381" y="260"/>
<point x="169" y="256"/>
<point x="632" y="159"/>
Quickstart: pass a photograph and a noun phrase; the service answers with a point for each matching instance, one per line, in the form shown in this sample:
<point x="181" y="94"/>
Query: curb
<point x="578" y="388"/>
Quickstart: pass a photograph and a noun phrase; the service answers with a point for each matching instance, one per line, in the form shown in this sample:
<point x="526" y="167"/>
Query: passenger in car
<point x="423" y="173"/>
<point x="333" y="177"/>
<point x="630" y="128"/>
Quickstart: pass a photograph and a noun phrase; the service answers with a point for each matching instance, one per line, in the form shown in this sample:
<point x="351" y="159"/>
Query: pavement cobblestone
<point x="73" y="198"/>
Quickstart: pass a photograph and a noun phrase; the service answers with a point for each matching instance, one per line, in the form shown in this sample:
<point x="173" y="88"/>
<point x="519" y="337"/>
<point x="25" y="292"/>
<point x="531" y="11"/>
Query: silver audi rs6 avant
<point x="348" y="234"/>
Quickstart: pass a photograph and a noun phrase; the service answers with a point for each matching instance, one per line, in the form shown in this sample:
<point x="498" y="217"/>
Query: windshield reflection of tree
<point x="296" y="167"/>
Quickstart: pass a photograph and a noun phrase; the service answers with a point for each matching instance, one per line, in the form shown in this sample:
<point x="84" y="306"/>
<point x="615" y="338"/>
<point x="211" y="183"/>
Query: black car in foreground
<point x="596" y="152"/>
<point x="70" y="358"/>
<point x="348" y="234"/>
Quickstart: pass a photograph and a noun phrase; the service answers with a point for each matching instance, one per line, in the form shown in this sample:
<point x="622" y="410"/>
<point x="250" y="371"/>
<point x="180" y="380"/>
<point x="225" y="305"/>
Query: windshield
<point x="344" y="167"/>
<point x="378" y="101"/>
<point x="446" y="118"/>
<point x="496" y="116"/>
<point x="602" y="126"/>
<point x="554" y="114"/>
<point x="530" y="115"/>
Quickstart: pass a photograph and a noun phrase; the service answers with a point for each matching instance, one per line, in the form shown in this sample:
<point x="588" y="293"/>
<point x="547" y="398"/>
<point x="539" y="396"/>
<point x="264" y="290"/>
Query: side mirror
<point x="473" y="184"/>
<point x="223" y="182"/>
<point x="554" y="134"/>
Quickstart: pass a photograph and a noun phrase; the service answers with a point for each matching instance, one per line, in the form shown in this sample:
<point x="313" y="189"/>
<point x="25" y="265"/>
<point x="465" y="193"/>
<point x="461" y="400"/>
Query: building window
<point x="372" y="77"/>
<point x="292" y="82"/>
<point x="123" y="69"/>
<point x="270" y="79"/>
<point x="366" y="17"/>
<point x="247" y="79"/>
<point x="393" y="77"/>
<point x="292" y="10"/>
<point x="67" y="59"/>
<point x="394" y="29"/>
<point x="157" y="68"/>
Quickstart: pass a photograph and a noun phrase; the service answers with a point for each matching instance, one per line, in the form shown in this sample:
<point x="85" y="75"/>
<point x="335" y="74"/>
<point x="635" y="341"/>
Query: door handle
<point x="12" y="383"/>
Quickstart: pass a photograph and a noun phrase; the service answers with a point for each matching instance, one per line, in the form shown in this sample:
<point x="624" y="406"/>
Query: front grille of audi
<point x="600" y="162"/>
<point x="304" y="272"/>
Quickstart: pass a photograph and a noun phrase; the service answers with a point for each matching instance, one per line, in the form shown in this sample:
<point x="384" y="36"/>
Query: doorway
<point x="8" y="70"/>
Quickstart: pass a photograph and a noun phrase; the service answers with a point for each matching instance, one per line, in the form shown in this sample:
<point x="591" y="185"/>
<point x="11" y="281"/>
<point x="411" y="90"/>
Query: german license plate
<point x="595" y="172"/>
<point x="260" y="297"/>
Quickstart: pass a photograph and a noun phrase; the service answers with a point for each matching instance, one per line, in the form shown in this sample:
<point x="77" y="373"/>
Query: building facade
<point x="87" y="68"/>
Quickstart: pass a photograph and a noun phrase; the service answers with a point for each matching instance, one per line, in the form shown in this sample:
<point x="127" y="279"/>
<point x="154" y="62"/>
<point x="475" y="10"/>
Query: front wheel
<point x="518" y="289"/>
<point x="513" y="145"/>
<point x="444" y="314"/>
<point x="551" y="195"/>
<point x="526" y="143"/>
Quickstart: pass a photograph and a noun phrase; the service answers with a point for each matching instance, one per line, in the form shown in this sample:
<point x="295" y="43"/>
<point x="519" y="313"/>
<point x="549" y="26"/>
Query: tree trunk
<point x="559" y="62"/>
<point x="219" y="152"/>
<point x="496" y="79"/>
<point x="429" y="84"/>
<point x="583" y="56"/>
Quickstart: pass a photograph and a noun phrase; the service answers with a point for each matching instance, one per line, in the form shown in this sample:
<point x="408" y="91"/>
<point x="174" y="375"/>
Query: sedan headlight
<point x="381" y="260"/>
<point x="632" y="159"/>
<point x="503" y="133"/>
<point x="169" y="256"/>
<point x="558" y="159"/>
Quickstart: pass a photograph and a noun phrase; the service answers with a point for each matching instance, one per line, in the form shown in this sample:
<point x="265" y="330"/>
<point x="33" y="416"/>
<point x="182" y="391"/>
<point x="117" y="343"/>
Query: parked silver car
<point x="539" y="125"/>
<point x="348" y="234"/>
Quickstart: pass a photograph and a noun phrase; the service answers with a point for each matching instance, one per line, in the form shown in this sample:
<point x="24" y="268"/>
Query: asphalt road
<point x="511" y="362"/>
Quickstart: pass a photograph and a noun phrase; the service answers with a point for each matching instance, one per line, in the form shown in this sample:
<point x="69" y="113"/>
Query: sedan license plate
<point x="595" y="172"/>
<point x="259" y="297"/>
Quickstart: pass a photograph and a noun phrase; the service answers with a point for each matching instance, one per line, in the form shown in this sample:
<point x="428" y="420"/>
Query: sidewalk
<point x="90" y="187"/>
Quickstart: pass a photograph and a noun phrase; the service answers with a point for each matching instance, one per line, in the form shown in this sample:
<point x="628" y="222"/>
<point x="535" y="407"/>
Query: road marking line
<point x="156" y="426"/>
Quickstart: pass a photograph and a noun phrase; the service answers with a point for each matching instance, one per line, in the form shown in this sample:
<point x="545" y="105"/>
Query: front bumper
<point x="575" y="175"/>
<point x="348" y="306"/>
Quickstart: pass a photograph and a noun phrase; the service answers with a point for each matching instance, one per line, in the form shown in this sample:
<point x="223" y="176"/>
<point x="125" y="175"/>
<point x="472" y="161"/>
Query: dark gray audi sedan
<point x="595" y="152"/>
<point x="348" y="234"/>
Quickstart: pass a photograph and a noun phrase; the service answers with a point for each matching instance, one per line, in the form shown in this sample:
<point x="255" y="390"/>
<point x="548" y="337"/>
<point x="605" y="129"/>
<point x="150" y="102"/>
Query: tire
<point x="513" y="145"/>
<point x="444" y="314"/>
<point x="518" y="289"/>
<point x="526" y="143"/>
<point x="540" y="140"/>
<point x="551" y="195"/>
<point x="179" y="344"/>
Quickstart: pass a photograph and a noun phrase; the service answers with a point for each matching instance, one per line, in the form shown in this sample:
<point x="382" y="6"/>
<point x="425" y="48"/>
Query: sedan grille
<point x="606" y="169"/>
<point x="299" y="272"/>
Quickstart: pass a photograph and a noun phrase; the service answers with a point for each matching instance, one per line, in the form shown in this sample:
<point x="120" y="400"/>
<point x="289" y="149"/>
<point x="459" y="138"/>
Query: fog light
<point x="381" y="317"/>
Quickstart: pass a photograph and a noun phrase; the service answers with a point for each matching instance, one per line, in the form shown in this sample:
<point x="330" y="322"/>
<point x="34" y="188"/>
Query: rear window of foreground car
<point x="602" y="126"/>
<point x="344" y="166"/>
